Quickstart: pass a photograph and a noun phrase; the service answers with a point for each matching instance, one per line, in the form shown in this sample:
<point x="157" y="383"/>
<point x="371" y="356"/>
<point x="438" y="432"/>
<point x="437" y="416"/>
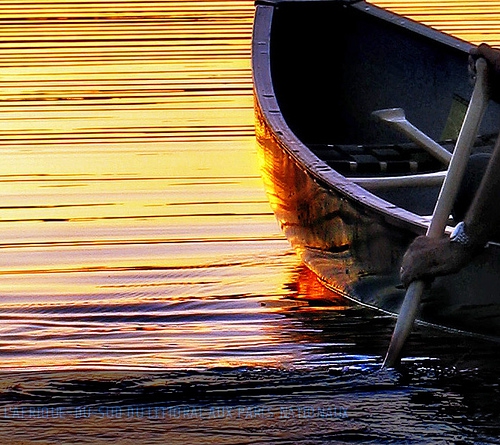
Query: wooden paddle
<point x="442" y="210"/>
<point x="396" y="117"/>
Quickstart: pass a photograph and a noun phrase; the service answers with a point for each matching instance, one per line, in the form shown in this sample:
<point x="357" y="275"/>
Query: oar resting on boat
<point x="397" y="118"/>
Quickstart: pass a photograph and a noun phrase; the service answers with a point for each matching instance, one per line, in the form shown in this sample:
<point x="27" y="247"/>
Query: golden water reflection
<point x="134" y="230"/>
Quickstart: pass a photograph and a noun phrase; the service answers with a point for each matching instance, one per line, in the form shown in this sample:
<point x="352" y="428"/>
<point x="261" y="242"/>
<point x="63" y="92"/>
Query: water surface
<point x="147" y="294"/>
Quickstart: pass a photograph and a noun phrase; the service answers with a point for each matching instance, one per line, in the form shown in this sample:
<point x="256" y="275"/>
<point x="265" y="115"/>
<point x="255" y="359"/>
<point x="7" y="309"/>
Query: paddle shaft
<point x="444" y="204"/>
<point x="422" y="139"/>
<point x="396" y="117"/>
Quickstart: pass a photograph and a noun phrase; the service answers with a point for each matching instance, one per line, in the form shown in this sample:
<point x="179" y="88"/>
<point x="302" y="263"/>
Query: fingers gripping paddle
<point x="468" y="133"/>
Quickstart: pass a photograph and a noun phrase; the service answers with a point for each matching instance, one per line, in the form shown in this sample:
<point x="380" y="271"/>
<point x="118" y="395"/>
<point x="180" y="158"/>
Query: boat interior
<point x="334" y="64"/>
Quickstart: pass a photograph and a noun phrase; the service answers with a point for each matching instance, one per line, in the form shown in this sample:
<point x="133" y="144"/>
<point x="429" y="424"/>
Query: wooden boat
<point x="351" y="192"/>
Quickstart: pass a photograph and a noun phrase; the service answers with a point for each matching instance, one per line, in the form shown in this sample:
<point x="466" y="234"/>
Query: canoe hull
<point x="352" y="240"/>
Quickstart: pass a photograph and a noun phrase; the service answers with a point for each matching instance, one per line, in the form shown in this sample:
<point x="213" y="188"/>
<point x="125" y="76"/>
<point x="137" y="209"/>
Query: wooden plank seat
<point x="392" y="165"/>
<point x="377" y="160"/>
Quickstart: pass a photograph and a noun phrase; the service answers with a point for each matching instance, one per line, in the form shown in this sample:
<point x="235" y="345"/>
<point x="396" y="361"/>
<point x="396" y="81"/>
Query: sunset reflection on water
<point x="142" y="269"/>
<point x="134" y="230"/>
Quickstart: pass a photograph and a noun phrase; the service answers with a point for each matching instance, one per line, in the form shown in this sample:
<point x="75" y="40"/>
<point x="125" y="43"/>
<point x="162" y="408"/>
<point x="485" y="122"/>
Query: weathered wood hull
<point x="351" y="238"/>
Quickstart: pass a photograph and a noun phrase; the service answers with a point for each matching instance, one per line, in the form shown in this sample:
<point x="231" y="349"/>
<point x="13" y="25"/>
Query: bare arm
<point x="483" y="217"/>
<point x="482" y="220"/>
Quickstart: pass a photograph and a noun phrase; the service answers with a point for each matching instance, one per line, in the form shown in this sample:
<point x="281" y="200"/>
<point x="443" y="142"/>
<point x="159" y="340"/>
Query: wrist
<point x="462" y="237"/>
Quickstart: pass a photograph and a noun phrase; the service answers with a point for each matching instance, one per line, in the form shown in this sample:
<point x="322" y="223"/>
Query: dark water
<point x="147" y="295"/>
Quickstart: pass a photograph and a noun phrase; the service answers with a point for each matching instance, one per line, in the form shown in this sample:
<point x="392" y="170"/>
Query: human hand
<point x="427" y="258"/>
<point x="492" y="57"/>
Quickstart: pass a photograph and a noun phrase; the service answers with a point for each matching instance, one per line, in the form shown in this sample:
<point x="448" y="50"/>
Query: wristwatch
<point x="459" y="235"/>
